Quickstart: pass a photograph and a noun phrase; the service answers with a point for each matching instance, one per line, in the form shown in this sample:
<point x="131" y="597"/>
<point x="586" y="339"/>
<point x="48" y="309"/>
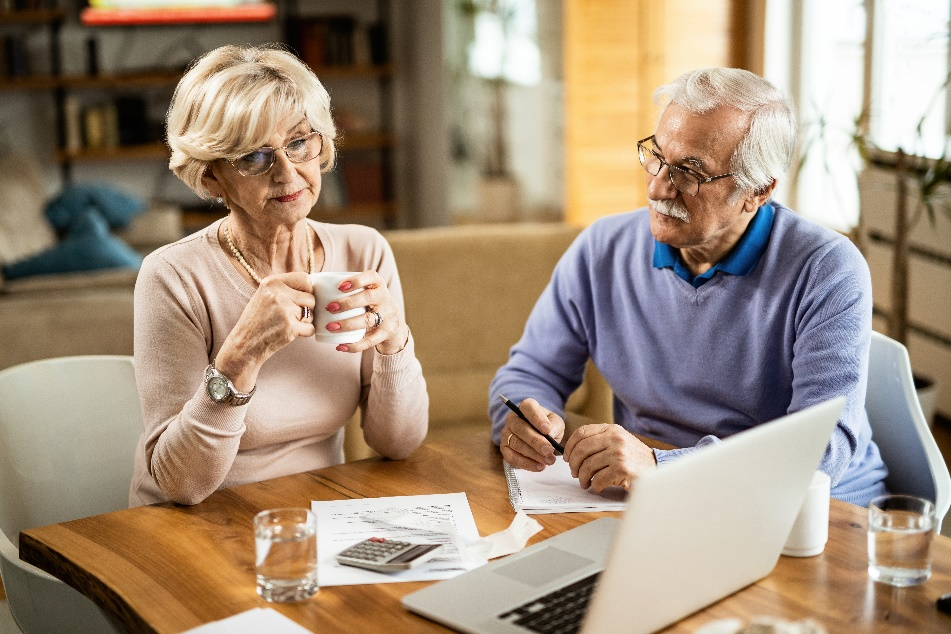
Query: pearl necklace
<point x="247" y="267"/>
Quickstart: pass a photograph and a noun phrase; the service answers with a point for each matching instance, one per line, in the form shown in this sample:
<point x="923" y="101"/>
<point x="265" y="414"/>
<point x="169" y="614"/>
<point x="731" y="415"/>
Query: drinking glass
<point x="285" y="545"/>
<point x="900" y="528"/>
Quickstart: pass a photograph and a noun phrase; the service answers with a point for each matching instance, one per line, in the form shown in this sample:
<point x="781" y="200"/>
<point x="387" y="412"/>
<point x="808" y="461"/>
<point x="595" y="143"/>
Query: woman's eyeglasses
<point x="300" y="150"/>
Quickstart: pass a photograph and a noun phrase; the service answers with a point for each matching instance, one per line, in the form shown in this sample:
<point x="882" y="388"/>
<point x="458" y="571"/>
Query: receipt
<point x="505" y="542"/>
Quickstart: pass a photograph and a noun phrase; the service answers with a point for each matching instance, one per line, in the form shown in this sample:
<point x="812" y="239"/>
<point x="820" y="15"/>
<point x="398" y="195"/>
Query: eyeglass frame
<point x="671" y="168"/>
<point x="274" y="151"/>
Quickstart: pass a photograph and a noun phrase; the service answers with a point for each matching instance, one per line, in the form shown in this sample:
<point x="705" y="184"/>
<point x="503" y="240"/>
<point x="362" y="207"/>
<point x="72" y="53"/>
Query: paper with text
<point x="342" y="523"/>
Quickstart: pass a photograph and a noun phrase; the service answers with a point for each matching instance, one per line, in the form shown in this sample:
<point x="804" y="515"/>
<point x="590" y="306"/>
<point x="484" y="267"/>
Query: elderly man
<point x="713" y="310"/>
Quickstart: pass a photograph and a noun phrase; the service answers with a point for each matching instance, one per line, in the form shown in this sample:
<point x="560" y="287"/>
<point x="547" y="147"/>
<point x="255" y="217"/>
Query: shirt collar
<point x="741" y="260"/>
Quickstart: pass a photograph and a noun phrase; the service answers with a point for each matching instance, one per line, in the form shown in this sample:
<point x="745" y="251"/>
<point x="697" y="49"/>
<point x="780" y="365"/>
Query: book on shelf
<point x="364" y="181"/>
<point x="336" y="40"/>
<point x="16" y="55"/>
<point x="122" y="121"/>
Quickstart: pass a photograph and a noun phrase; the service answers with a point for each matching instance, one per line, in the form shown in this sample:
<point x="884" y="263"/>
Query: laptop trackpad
<point x="544" y="566"/>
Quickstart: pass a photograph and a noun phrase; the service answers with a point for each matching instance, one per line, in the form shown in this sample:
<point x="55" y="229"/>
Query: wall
<point x="616" y="53"/>
<point x="929" y="342"/>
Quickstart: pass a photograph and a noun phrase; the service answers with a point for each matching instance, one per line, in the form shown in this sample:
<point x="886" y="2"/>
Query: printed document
<point x="438" y="519"/>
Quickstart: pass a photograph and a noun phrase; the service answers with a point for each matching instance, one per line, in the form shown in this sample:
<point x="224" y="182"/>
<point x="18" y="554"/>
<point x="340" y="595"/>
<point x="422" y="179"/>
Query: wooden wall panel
<point x="616" y="53"/>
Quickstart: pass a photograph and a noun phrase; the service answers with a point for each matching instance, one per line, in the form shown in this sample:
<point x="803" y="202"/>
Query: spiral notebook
<point x="554" y="490"/>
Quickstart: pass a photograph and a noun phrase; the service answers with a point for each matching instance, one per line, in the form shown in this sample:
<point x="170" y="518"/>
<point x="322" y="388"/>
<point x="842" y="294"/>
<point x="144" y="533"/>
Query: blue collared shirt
<point x="741" y="260"/>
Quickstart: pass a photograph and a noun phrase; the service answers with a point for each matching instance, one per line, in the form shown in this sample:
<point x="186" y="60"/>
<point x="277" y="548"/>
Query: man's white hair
<point x="767" y="149"/>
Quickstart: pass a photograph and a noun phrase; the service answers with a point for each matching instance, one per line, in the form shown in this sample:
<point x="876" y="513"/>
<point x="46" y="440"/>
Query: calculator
<point x="386" y="555"/>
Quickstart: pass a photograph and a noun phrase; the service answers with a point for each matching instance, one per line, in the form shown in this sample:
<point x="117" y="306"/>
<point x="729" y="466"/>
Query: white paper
<point x="253" y="621"/>
<point x="555" y="490"/>
<point x="342" y="523"/>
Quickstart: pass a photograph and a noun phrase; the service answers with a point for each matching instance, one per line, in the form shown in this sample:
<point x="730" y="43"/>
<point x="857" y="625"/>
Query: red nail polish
<point x="343" y="348"/>
<point x="344" y="286"/>
<point x="333" y="326"/>
<point x="333" y="307"/>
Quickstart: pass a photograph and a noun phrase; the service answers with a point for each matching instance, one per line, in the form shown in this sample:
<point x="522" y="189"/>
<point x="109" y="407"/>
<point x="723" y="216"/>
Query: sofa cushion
<point x="24" y="230"/>
<point x="88" y="247"/>
<point x="116" y="207"/>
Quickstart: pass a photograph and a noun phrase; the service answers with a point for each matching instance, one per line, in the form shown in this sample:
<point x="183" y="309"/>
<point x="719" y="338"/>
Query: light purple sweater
<point x="691" y="365"/>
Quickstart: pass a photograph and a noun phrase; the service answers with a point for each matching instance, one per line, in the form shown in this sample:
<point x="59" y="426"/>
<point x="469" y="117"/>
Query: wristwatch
<point x="221" y="389"/>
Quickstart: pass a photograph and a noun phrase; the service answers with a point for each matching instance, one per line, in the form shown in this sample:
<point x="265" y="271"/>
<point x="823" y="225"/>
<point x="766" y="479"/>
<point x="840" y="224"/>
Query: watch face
<point x="218" y="388"/>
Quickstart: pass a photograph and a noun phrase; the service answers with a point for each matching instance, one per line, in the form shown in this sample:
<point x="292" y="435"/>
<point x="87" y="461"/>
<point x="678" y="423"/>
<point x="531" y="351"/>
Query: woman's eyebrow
<point x="293" y="128"/>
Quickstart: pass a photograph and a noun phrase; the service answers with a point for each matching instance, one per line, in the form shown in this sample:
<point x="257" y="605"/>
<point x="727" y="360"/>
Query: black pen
<point x="559" y="450"/>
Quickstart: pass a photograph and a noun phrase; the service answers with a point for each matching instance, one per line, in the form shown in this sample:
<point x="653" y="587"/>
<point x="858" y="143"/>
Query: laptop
<point x="694" y="531"/>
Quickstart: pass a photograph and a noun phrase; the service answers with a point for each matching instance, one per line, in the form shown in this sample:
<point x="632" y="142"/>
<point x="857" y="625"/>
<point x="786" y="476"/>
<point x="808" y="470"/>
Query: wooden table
<point x="168" y="568"/>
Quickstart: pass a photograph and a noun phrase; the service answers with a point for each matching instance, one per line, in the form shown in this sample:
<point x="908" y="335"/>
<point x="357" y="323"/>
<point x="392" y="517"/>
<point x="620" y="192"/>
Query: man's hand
<point x="602" y="456"/>
<point x="523" y="445"/>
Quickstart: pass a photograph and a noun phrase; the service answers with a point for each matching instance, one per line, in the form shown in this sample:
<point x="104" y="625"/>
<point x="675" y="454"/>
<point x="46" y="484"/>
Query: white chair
<point x="68" y="431"/>
<point x="915" y="464"/>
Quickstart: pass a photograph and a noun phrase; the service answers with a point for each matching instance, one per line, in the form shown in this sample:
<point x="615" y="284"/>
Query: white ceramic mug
<point x="811" y="531"/>
<point x="325" y="290"/>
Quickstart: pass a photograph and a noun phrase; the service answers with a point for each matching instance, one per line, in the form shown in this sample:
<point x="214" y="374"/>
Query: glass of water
<point x="285" y="545"/>
<point x="900" y="528"/>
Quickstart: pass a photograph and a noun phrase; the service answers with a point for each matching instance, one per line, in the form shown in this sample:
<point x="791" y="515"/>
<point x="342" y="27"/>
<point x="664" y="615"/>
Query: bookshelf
<point x="75" y="122"/>
<point x="353" y="62"/>
<point x="348" y="48"/>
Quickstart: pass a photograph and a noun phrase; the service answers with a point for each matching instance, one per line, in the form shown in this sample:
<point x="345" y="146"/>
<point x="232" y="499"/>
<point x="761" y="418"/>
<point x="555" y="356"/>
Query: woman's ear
<point x="211" y="183"/>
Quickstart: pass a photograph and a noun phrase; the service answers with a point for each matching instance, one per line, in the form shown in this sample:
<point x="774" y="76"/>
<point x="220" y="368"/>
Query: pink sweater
<point x="188" y="297"/>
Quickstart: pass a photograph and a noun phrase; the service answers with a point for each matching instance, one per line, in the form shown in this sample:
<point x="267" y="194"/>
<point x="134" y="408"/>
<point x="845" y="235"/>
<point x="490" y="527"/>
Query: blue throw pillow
<point x="117" y="207"/>
<point x="88" y="246"/>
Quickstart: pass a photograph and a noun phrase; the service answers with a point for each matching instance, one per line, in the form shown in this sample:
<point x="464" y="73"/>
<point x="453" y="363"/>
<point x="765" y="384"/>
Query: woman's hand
<point x="523" y="445"/>
<point x="392" y="333"/>
<point x="272" y="319"/>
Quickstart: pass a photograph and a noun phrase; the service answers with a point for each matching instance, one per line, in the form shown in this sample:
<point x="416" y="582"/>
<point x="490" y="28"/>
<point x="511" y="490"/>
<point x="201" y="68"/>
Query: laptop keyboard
<point x="559" y="611"/>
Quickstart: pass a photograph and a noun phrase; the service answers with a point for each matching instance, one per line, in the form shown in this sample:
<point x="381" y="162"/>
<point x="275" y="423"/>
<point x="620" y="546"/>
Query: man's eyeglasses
<point x="299" y="150"/>
<point x="682" y="180"/>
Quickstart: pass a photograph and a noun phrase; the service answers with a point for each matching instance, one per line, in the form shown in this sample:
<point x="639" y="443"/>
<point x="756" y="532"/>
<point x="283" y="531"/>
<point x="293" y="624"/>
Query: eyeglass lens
<point x="299" y="150"/>
<point x="681" y="180"/>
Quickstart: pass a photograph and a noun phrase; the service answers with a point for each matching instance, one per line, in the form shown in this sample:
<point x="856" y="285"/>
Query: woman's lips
<point x="289" y="197"/>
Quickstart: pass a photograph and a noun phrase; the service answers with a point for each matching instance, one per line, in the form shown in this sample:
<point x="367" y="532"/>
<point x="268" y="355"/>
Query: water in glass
<point x="286" y="560"/>
<point x="899" y="548"/>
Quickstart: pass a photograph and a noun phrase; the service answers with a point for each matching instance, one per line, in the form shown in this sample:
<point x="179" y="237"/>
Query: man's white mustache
<point x="670" y="208"/>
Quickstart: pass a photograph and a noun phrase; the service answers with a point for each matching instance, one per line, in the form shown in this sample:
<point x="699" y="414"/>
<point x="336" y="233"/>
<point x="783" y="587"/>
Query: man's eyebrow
<point x="694" y="161"/>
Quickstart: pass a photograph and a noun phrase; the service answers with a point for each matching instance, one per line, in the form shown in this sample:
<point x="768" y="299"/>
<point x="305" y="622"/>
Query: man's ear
<point x="759" y="197"/>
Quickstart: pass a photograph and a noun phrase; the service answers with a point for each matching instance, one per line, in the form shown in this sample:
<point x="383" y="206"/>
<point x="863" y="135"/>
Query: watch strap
<point x="233" y="396"/>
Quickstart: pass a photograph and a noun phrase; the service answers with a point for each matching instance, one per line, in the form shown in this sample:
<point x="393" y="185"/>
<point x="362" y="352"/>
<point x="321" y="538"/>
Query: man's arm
<point x="831" y="351"/>
<point x="547" y="364"/>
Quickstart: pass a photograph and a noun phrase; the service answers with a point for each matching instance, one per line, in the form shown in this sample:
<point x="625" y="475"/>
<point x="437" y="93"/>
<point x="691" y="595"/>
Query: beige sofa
<point x="79" y="313"/>
<point x="468" y="292"/>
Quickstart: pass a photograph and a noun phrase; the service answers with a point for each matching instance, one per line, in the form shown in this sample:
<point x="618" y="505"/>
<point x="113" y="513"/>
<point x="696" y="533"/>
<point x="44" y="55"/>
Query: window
<point x="824" y="72"/>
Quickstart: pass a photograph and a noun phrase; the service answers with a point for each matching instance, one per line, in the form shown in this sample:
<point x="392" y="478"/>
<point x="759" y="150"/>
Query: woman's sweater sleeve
<point x="191" y="441"/>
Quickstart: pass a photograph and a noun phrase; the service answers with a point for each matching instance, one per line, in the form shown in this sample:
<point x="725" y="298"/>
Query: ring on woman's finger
<point x="379" y="319"/>
<point x="508" y="441"/>
<point x="305" y="313"/>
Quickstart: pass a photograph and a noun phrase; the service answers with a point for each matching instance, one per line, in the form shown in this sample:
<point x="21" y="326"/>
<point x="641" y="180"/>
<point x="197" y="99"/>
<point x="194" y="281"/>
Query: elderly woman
<point x="235" y="388"/>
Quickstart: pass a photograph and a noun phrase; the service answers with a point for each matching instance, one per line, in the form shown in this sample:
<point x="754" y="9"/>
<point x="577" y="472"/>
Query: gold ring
<point x="508" y="440"/>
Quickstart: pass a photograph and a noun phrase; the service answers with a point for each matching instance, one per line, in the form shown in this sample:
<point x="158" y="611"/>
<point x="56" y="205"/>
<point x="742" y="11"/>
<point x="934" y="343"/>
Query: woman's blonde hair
<point x="231" y="101"/>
